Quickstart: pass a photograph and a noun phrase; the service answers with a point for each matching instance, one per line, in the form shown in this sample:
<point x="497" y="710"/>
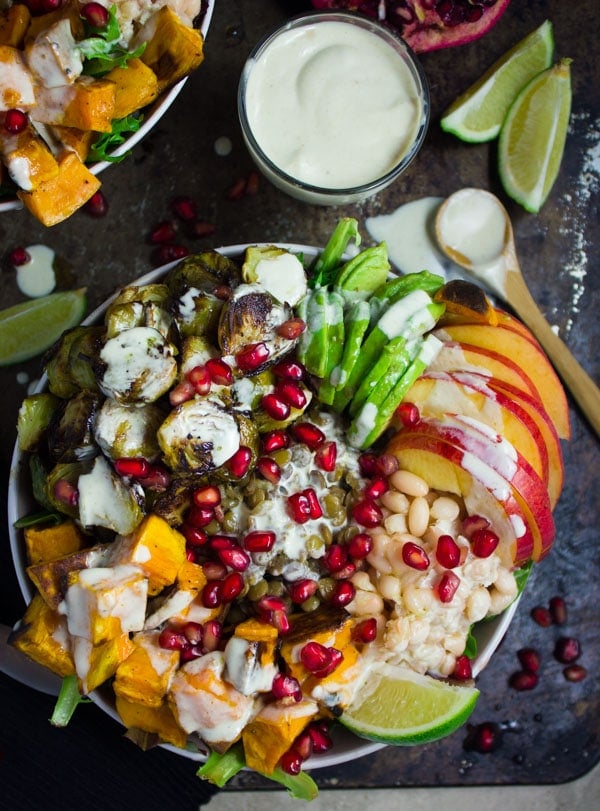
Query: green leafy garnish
<point x="219" y="769"/>
<point x="101" y="48"/>
<point x="103" y="146"/>
<point x="67" y="702"/>
<point x="42" y="517"/>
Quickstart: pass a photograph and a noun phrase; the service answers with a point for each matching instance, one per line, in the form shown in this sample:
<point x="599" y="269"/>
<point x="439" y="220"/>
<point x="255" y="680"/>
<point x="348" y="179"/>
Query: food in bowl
<point x="243" y="546"/>
<point x="333" y="107"/>
<point x="76" y="82"/>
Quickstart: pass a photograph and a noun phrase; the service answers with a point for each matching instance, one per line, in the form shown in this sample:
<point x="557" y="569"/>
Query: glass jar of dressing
<point x="333" y="107"/>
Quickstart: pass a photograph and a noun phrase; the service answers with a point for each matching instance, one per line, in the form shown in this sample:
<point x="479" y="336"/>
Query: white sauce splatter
<point x="37" y="277"/>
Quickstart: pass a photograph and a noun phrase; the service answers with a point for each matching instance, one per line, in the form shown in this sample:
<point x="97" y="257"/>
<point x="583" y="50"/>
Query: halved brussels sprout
<point x="128" y="431"/>
<point x="249" y="438"/>
<point x="144" y="293"/>
<point x="71" y="434"/>
<point x="70" y="364"/>
<point x="280" y="272"/>
<point x="105" y="500"/>
<point x="34" y="416"/>
<point x="195" y="351"/>
<point x="69" y="473"/>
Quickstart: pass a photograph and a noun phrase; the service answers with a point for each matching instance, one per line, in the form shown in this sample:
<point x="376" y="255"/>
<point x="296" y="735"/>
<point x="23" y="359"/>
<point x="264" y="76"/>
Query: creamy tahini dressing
<point x="473" y="225"/>
<point x="36" y="277"/>
<point x="332" y="105"/>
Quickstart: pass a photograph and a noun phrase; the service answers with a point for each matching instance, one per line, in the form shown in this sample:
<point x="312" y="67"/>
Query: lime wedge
<point x="532" y="138"/>
<point x="478" y="113"/>
<point x="401" y="707"/>
<point x="29" y="328"/>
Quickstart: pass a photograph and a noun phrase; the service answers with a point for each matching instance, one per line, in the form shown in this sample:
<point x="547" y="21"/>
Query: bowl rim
<point x="409" y="57"/>
<point x="347" y="746"/>
<point x="155" y="112"/>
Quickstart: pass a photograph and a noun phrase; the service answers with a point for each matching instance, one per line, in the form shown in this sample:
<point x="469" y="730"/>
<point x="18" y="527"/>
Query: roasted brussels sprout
<point x="195" y="351"/>
<point x="128" y="431"/>
<point x="280" y="272"/>
<point x="199" y="436"/>
<point x="71" y="434"/>
<point x="144" y="306"/>
<point x="60" y="479"/>
<point x="70" y="364"/>
<point x="34" y="416"/>
<point x="105" y="500"/>
<point x="137" y="366"/>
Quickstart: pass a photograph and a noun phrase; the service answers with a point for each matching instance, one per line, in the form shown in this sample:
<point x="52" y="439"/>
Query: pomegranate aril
<point x="366" y="513"/>
<point x="232" y="586"/>
<point x="95" y="14"/>
<point x="365" y="631"/>
<point x="275" y="407"/>
<point x="193" y="535"/>
<point x="280" y="620"/>
<point x="275" y="441"/>
<point x="529" y="659"/>
<point x="218" y="542"/>
<point x="448" y="586"/>
<point x="415" y="556"/>
<point x="169" y="253"/>
<point x="304" y="505"/>
<point x="252" y="356"/>
<point x="286" y="687"/>
<point x="567" y="649"/>
<point x="369" y="464"/>
<point x="268" y="469"/>
<point x="269" y="603"/>
<point x="200" y="516"/>
<point x="376" y="488"/>
<point x="200" y="378"/>
<point x="181" y="393"/>
<point x="211" y="594"/>
<point x="472" y="523"/>
<point x="213" y="632"/>
<point x="162" y="232"/>
<point x="335" y="557"/>
<point x="239" y="463"/>
<point x="447" y="552"/>
<point x="66" y="492"/>
<point x="291" y="762"/>
<point x="523" y="680"/>
<point x="193" y="632"/>
<point x="191" y="652"/>
<point x="301" y="590"/>
<point x="336" y="659"/>
<point x="201" y="228"/>
<point x="185" y="208"/>
<point x="97" y="205"/>
<point x="387" y="464"/>
<point x="315" y="508"/>
<point x="360" y="545"/>
<point x="309" y="434"/>
<point x="259" y="541"/>
<point x="408" y="414"/>
<point x="19" y="256"/>
<point x="303" y="745"/>
<point x="326" y="456"/>
<point x="574" y="673"/>
<point x="158" y="478"/>
<point x="219" y="371"/>
<point x="234" y="557"/>
<point x="172" y="639"/>
<point x="542" y="616"/>
<point x="291" y="393"/>
<point x="319" y="734"/>
<point x="484" y="738"/>
<point x="214" y="570"/>
<point x="252" y="184"/>
<point x="135" y="466"/>
<point x="484" y="542"/>
<point x="462" y="668"/>
<point x="558" y="610"/>
<point x="315" y="656"/>
<point x="237" y="190"/>
<point x="342" y="594"/>
<point x="15" y="121"/>
<point x="291" y="329"/>
<point x="289" y="370"/>
<point x="209" y="496"/>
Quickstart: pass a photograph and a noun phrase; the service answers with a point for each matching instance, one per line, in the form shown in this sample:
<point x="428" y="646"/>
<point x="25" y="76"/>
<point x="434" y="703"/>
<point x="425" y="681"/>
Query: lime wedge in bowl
<point x="398" y="706"/>
<point x="532" y="138"/>
<point x="478" y="113"/>
<point x="31" y="327"/>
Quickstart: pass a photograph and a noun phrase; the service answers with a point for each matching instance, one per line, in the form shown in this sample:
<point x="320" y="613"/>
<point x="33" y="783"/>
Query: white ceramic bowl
<point x="323" y="109"/>
<point x="152" y="115"/>
<point x="20" y="503"/>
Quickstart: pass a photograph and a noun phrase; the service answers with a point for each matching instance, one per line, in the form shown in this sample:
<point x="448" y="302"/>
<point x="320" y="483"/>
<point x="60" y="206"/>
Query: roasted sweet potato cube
<point x="42" y="636"/>
<point x="272" y="732"/>
<point x="16" y="83"/>
<point x="174" y="49"/>
<point x="30" y="163"/>
<point x="191" y="577"/>
<point x="51" y="577"/>
<point x="14" y="22"/>
<point x="329" y="627"/>
<point x="77" y="141"/>
<point x="144" y="676"/>
<point x="42" y="22"/>
<point x="156" y="720"/>
<point x="87" y="104"/>
<point x="157" y="548"/>
<point x="256" y="631"/>
<point x="52" y="542"/>
<point x="136" y="86"/>
<point x="97" y="663"/>
<point x="55" y="200"/>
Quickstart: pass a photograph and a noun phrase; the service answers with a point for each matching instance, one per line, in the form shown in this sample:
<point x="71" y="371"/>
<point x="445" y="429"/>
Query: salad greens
<point x="106" y="142"/>
<point x="101" y="49"/>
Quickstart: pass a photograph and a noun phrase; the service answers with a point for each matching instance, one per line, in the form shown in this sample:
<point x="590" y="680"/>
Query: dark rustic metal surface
<point x="552" y="732"/>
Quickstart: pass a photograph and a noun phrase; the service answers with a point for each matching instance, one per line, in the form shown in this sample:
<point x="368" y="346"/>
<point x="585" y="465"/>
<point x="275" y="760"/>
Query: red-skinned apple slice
<point x="492" y="450"/>
<point x="442" y="465"/>
<point x="455" y="357"/>
<point x="468" y="393"/>
<point x="508" y="321"/>
<point x="528" y="355"/>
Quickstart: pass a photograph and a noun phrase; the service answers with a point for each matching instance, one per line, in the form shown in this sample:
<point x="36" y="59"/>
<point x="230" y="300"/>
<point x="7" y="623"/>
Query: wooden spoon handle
<point x="585" y="392"/>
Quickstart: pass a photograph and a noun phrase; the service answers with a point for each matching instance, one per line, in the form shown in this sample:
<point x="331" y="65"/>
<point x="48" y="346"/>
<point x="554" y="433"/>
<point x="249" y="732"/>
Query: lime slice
<point x="398" y="706"/>
<point x="29" y="328"/>
<point x="532" y="138"/>
<point x="478" y="113"/>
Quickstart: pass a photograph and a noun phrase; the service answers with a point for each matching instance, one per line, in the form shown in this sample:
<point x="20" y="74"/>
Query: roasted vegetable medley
<point x="223" y="538"/>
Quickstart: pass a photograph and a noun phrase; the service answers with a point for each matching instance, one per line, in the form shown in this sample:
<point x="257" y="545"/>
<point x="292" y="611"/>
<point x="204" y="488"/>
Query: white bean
<point x="418" y="516"/>
<point x="454" y="643"/>
<point x="409" y="483"/>
<point x="417" y="600"/>
<point x="445" y="508"/>
<point x="389" y="587"/>
<point x="478" y="604"/>
<point x="365" y="602"/>
<point x="395" y="523"/>
<point x="361" y="580"/>
<point x="395" y="501"/>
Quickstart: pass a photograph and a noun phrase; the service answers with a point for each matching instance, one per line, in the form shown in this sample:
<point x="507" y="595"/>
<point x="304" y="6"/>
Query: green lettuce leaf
<point x="122" y="128"/>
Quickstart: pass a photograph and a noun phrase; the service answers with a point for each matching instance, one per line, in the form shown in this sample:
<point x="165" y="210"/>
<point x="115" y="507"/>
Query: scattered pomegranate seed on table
<point x="19" y="256"/>
<point x="97" y="205"/>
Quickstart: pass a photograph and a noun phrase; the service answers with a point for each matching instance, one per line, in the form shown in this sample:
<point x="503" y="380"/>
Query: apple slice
<point x="509" y="321"/>
<point x="438" y="393"/>
<point x="456" y="357"/>
<point x="528" y="355"/>
<point x="448" y="468"/>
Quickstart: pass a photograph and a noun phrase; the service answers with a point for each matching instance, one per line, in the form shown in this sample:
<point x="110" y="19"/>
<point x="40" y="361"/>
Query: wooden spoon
<point x="474" y="230"/>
